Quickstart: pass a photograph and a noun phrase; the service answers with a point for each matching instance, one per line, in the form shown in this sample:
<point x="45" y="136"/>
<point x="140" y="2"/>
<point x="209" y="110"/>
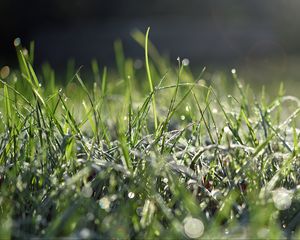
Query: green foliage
<point x="117" y="160"/>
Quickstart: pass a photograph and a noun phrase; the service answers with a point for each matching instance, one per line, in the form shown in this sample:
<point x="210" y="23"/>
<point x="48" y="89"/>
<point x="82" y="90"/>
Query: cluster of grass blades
<point x="178" y="158"/>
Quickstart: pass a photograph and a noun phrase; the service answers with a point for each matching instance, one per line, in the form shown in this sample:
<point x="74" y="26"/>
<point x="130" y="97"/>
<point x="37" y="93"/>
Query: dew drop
<point x="182" y="117"/>
<point x="233" y="71"/>
<point x="131" y="195"/>
<point x="90" y="216"/>
<point x="284" y="226"/>
<point x="187" y="108"/>
<point x="138" y="64"/>
<point x="227" y="130"/>
<point x="25" y="52"/>
<point x="4" y="72"/>
<point x="214" y="110"/>
<point x="104" y="203"/>
<point x="282" y="198"/>
<point x="87" y="191"/>
<point x="193" y="227"/>
<point x="185" y="62"/>
<point x="17" y="42"/>
<point x="85" y="233"/>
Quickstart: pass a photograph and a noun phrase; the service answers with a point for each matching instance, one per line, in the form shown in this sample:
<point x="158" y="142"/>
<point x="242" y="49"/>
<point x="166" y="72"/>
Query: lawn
<point x="149" y="150"/>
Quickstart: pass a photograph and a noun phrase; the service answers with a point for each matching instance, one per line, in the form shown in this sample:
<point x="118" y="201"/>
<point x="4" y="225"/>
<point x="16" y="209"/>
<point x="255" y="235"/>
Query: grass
<point x="190" y="157"/>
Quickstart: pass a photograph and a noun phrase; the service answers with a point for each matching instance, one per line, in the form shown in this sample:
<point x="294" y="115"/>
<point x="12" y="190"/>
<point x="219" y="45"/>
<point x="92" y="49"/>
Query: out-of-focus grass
<point x="213" y="159"/>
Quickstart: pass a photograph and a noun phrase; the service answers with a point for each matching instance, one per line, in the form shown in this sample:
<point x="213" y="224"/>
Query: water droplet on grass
<point x="282" y="198"/>
<point x="138" y="64"/>
<point x="131" y="195"/>
<point x="214" y="110"/>
<point x="233" y="71"/>
<point x="4" y="72"/>
<point x="187" y="108"/>
<point x="17" y="42"/>
<point x="90" y="216"/>
<point x="193" y="227"/>
<point x="25" y="52"/>
<point x="227" y="130"/>
<point x="85" y="233"/>
<point x="105" y="203"/>
<point x="185" y="62"/>
<point x="87" y="191"/>
<point x="182" y="117"/>
<point x="165" y="180"/>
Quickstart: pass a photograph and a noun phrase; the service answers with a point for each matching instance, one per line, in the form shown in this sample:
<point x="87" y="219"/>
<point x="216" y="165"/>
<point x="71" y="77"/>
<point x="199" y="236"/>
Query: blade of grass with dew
<point x="151" y="85"/>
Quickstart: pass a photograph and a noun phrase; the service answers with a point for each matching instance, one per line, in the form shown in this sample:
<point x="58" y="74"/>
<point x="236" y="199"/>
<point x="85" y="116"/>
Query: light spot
<point x="187" y="108"/>
<point x="193" y="227"/>
<point x="105" y="203"/>
<point x="131" y="195"/>
<point x="138" y="64"/>
<point x="17" y="42"/>
<point x="233" y="71"/>
<point x="4" y="72"/>
<point x="182" y="117"/>
<point x="227" y="130"/>
<point x="90" y="216"/>
<point x="185" y="62"/>
<point x="87" y="191"/>
<point x="85" y="233"/>
<point x="282" y="198"/>
<point x="25" y="52"/>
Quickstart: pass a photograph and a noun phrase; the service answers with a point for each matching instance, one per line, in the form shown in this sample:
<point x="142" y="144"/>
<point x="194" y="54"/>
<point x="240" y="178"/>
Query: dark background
<point x="206" y="32"/>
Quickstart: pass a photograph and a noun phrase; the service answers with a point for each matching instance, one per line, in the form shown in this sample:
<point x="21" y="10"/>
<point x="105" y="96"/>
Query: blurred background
<point x="260" y="35"/>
